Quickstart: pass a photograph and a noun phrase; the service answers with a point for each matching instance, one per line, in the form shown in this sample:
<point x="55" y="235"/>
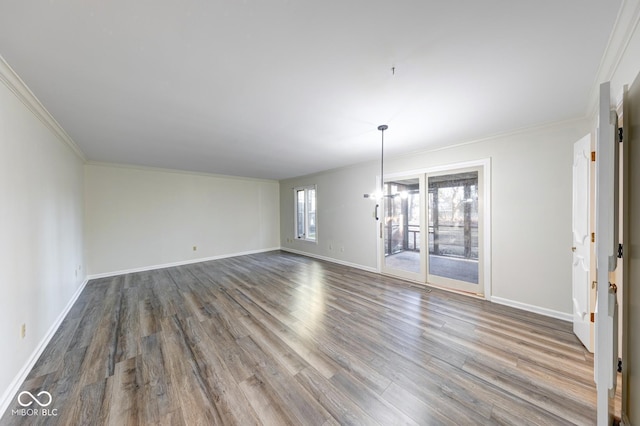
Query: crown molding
<point x="576" y="121"/>
<point x="623" y="30"/>
<point x="15" y="84"/>
<point x="142" y="168"/>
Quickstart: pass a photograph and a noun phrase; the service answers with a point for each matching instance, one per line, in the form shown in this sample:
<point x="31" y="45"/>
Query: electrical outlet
<point x="23" y="331"/>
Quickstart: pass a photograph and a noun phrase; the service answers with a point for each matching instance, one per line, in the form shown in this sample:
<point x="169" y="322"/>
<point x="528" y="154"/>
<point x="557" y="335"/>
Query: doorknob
<point x="573" y="249"/>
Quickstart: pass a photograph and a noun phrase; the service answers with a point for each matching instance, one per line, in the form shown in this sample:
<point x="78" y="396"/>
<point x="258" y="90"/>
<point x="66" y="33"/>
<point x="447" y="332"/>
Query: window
<point x="305" y="203"/>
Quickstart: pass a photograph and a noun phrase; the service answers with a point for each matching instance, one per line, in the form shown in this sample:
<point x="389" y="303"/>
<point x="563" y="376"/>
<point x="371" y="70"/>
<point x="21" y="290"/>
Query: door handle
<point x="573" y="249"/>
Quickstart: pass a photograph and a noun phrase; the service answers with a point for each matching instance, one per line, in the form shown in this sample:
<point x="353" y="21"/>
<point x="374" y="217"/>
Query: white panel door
<point x="582" y="325"/>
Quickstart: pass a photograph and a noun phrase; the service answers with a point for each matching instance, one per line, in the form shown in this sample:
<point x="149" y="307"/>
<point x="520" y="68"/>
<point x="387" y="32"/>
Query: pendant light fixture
<point x="379" y="194"/>
<point x="382" y="128"/>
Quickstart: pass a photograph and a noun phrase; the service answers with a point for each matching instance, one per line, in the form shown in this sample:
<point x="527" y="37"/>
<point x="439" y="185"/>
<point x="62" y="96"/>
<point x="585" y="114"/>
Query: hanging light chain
<point x="382" y="128"/>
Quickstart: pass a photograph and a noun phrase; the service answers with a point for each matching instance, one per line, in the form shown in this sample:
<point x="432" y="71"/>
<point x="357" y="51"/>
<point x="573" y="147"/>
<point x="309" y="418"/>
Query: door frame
<point x="485" y="165"/>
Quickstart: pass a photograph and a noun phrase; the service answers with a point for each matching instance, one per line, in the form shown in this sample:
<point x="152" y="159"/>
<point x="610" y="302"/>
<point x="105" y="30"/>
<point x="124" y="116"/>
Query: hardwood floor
<point x="280" y="339"/>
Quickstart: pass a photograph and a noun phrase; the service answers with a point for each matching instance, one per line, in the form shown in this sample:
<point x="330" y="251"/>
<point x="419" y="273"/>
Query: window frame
<point x="306" y="214"/>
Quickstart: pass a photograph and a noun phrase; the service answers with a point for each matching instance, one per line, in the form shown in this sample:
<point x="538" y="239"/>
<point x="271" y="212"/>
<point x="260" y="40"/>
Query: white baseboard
<point x="532" y="308"/>
<point x="10" y="392"/>
<point x="180" y="263"/>
<point x="329" y="259"/>
<point x="502" y="301"/>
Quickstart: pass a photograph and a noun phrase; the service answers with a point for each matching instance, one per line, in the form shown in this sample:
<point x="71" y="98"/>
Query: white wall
<point x="41" y="222"/>
<point x="531" y="211"/>
<point x="345" y="222"/>
<point x="139" y="218"/>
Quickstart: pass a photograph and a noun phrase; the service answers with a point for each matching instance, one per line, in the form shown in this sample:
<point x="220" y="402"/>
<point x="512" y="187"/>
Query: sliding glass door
<point x="454" y="229"/>
<point x="403" y="213"/>
<point x="432" y="228"/>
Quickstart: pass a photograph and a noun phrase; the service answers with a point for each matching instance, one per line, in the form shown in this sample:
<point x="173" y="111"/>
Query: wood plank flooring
<point x="281" y="339"/>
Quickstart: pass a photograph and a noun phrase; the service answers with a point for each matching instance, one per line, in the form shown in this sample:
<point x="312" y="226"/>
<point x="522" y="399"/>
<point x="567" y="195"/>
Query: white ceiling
<point x="281" y="88"/>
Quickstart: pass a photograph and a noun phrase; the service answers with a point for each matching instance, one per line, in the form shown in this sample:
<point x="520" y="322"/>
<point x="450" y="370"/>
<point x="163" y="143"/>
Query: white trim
<point x="487" y="218"/>
<point x="577" y="121"/>
<point x="624" y="27"/>
<point x="175" y="171"/>
<point x="501" y="135"/>
<point x="485" y="162"/>
<point x="330" y="259"/>
<point x="13" y="388"/>
<point x="532" y="308"/>
<point x="605" y="355"/>
<point x="14" y="83"/>
<point x="379" y="211"/>
<point x="180" y="263"/>
<point x="494" y="299"/>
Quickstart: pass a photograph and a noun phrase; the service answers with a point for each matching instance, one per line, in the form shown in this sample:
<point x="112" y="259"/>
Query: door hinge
<point x="620" y="134"/>
<point x="593" y="237"/>
<point x="620" y="251"/>
<point x="593" y="317"/>
<point x="593" y="156"/>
